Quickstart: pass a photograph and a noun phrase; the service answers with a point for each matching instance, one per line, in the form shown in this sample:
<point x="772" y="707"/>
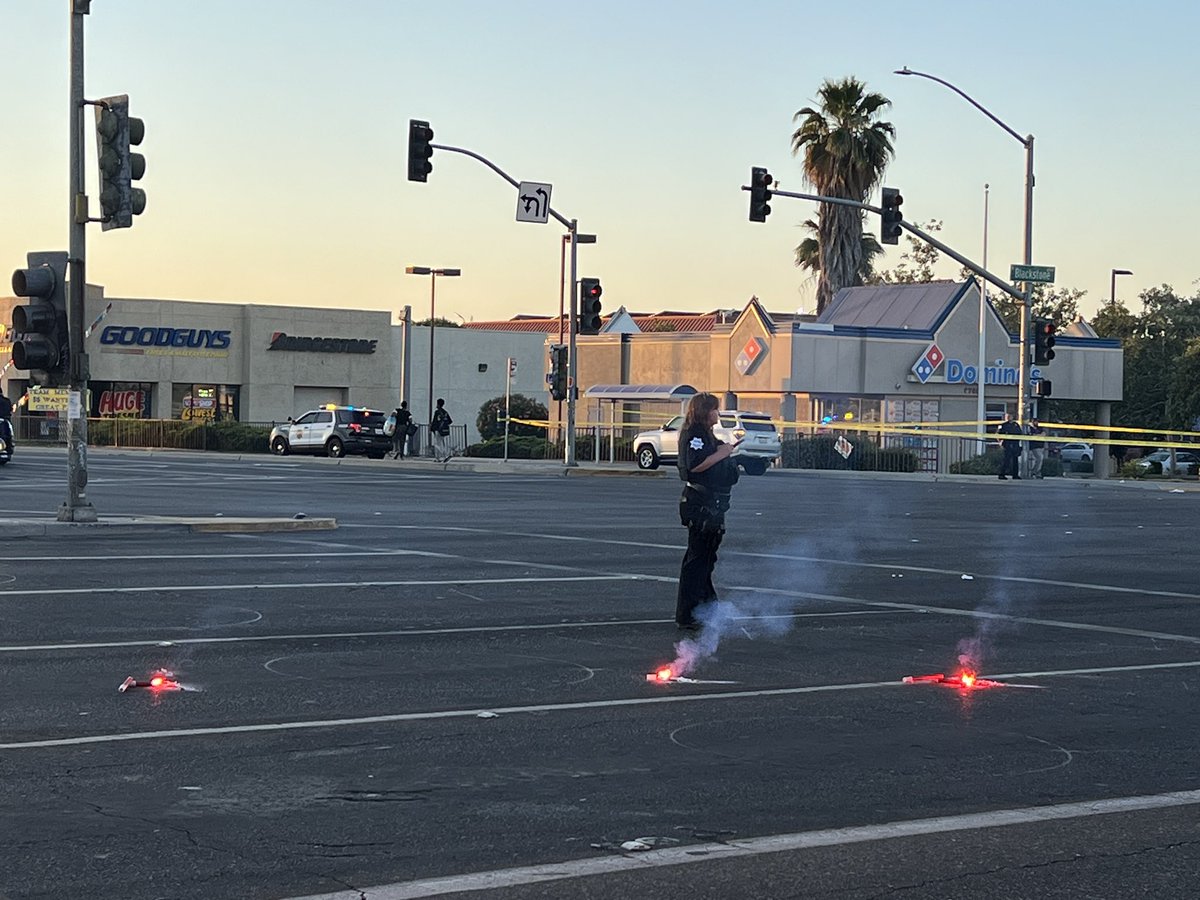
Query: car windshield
<point x="758" y="425"/>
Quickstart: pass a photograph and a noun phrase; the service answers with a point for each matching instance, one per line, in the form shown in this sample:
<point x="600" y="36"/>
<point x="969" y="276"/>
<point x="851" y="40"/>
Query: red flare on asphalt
<point x="968" y="681"/>
<point x="663" y="674"/>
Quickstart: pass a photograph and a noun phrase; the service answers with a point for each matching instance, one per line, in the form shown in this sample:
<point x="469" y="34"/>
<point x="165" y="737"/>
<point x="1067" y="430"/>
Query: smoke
<point x="992" y="621"/>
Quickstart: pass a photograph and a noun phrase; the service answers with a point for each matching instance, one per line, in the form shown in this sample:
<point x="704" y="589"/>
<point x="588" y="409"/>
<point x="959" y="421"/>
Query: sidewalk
<point x="107" y="526"/>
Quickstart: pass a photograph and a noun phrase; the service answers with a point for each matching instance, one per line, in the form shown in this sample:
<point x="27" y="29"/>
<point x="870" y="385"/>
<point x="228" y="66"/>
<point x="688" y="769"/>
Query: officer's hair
<point x="699" y="408"/>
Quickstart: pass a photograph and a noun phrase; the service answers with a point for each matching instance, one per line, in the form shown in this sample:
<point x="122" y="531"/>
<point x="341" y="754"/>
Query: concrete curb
<point x="108" y="526"/>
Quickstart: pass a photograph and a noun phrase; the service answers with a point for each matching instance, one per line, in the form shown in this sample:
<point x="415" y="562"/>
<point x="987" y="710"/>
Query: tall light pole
<point x="433" y="275"/>
<point x="1027" y="143"/>
<point x="1112" y="291"/>
<point x="980" y="404"/>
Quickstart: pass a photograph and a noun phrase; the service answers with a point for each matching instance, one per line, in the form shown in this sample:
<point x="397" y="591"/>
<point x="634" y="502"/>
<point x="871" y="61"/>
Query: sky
<point x="276" y="141"/>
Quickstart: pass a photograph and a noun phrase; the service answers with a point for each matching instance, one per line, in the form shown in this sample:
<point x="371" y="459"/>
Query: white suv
<point x="760" y="441"/>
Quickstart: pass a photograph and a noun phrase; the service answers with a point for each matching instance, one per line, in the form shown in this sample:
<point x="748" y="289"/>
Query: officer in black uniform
<point x="708" y="471"/>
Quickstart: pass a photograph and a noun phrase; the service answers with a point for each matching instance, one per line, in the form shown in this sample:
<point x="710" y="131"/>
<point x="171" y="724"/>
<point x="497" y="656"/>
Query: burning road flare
<point x="965" y="680"/>
<point x="160" y="680"/>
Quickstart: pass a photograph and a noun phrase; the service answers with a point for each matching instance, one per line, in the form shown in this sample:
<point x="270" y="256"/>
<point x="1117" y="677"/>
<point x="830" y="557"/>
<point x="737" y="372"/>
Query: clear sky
<point x="276" y="135"/>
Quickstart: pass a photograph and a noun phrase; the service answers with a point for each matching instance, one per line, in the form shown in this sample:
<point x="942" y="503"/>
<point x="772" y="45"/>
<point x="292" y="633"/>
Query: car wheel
<point x="279" y="446"/>
<point x="646" y="457"/>
<point x="1085" y="458"/>
<point x="755" y="466"/>
<point x="335" y="449"/>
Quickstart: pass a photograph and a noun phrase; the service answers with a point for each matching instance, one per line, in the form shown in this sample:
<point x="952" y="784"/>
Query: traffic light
<point x="589" y="305"/>
<point x="760" y="184"/>
<point x="1043" y="340"/>
<point x="116" y="131"/>
<point x="889" y="231"/>
<point x="1042" y="387"/>
<point x="557" y="379"/>
<point x="40" y="342"/>
<point x="419" y="150"/>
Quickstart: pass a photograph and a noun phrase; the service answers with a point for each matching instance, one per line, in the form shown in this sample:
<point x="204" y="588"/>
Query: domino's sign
<point x="958" y="372"/>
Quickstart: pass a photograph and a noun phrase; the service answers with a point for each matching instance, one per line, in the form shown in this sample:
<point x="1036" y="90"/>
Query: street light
<point x="433" y="274"/>
<point x="1112" y="293"/>
<point x="1027" y="143"/>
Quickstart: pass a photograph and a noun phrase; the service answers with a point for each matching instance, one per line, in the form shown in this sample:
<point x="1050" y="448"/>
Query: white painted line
<point x="749" y="847"/>
<point x="405" y="632"/>
<point x="290" y="585"/>
<point x="537" y="708"/>
<point x="1083" y="585"/>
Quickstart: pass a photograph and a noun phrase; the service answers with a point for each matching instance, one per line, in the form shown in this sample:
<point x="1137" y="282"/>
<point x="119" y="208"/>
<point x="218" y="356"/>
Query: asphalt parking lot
<point x="447" y="695"/>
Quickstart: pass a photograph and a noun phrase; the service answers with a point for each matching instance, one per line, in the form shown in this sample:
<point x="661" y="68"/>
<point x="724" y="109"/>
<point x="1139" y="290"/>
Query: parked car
<point x="333" y="431"/>
<point x="761" y="443"/>
<point x="1186" y="462"/>
<point x="1076" y="453"/>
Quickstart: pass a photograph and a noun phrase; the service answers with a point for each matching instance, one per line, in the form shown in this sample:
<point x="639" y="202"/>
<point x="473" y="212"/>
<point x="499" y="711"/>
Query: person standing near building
<point x="1037" y="448"/>
<point x="439" y="430"/>
<point x="1011" y="448"/>
<point x="400" y="435"/>
<point x="708" y="471"/>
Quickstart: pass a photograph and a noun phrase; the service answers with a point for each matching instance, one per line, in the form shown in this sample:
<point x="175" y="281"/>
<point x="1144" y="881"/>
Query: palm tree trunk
<point x="841" y="251"/>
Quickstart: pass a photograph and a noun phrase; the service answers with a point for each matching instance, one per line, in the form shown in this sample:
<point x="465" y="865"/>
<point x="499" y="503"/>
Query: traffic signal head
<point x="1044" y="331"/>
<point x="419" y="150"/>
<point x="760" y="194"/>
<point x="589" y="305"/>
<point x="1042" y="388"/>
<point x="40" y="328"/>
<point x="116" y="131"/>
<point x="557" y="377"/>
<point x="889" y="231"/>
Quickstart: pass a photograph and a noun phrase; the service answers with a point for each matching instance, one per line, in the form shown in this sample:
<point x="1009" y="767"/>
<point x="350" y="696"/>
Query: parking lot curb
<point x="118" y="525"/>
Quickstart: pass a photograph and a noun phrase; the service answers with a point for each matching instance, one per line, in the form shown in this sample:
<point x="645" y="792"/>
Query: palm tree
<point x="808" y="254"/>
<point x="846" y="149"/>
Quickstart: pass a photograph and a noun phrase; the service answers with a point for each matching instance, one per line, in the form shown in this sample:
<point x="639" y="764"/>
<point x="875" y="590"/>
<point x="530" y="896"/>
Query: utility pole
<point x="77" y="507"/>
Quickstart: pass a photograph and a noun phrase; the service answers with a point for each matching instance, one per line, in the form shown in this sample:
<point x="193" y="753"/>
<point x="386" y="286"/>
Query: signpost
<point x="1029" y="274"/>
<point x="533" y="202"/>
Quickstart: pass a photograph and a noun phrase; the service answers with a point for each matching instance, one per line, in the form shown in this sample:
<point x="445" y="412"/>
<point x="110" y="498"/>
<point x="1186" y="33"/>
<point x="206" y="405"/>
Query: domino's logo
<point x="928" y="362"/>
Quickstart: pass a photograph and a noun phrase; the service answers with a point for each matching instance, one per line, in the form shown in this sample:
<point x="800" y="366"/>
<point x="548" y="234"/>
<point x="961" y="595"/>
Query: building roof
<point x="646" y="322"/>
<point x="640" y="392"/>
<point x="916" y="307"/>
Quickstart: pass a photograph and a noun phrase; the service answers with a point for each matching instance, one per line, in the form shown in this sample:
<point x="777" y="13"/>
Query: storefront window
<point x="913" y="412"/>
<point x="120" y="399"/>
<point x="833" y="408"/>
<point x="205" y="401"/>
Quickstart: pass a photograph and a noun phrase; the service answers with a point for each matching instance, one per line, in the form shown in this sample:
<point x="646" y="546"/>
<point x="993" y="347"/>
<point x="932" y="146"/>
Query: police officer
<point x="708" y="471"/>
<point x="1011" y="448"/>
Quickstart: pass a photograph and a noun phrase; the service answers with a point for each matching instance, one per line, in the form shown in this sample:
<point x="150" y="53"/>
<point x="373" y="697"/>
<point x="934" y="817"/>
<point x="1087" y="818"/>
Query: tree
<point x="438" y="322"/>
<point x="916" y="263"/>
<point x="1183" y="401"/>
<point x="1059" y="304"/>
<point x="490" y="421"/>
<point x="845" y="150"/>
<point x="808" y="254"/>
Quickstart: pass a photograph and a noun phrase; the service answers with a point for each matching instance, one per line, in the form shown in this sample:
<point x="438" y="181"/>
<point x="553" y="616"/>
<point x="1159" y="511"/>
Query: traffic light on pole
<point x="40" y="343"/>
<point x="557" y="377"/>
<point x="760" y="194"/>
<point x="1044" y="331"/>
<point x="589" y="305"/>
<point x="889" y="230"/>
<point x="419" y="150"/>
<point x="116" y="131"/>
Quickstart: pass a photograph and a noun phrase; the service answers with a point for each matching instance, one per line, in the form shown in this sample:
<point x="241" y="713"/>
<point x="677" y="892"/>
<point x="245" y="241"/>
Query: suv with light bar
<point x="333" y="431"/>
<point x="761" y="443"/>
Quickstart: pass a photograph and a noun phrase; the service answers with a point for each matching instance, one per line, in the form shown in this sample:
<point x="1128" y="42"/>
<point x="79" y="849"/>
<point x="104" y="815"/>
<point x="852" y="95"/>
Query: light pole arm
<point x="929" y="239"/>
<point x="495" y="168"/>
<point x="975" y="103"/>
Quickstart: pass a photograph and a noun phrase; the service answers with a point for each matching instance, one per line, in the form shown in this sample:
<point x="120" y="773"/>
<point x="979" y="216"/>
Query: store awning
<point x="678" y="393"/>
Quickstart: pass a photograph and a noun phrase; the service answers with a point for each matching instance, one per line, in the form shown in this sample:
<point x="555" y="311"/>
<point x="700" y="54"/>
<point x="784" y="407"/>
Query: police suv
<point x="333" y="431"/>
<point x="760" y="445"/>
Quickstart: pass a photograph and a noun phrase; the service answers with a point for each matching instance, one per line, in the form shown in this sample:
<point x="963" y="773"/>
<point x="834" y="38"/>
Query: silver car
<point x="761" y="443"/>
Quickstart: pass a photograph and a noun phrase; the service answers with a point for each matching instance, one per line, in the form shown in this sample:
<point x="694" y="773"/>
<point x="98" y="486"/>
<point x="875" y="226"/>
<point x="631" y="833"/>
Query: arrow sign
<point x="533" y="202"/>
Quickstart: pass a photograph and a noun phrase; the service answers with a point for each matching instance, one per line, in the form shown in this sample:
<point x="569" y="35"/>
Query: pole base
<point x="84" y="512"/>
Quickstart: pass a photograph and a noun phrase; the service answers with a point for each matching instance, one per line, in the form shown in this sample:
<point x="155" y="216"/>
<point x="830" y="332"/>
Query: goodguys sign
<point x="162" y="341"/>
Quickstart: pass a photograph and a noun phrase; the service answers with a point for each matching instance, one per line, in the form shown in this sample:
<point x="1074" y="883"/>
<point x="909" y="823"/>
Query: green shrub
<point x="521" y="447"/>
<point x="819" y="453"/>
<point x="237" y="437"/>
<point x="489" y="421"/>
<point x="985" y="464"/>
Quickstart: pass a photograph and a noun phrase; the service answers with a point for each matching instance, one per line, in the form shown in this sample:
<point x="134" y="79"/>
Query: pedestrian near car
<point x="1037" y="448"/>
<point x="401" y="434"/>
<point x="439" y="429"/>
<point x="708" y="471"/>
<point x="1011" y="447"/>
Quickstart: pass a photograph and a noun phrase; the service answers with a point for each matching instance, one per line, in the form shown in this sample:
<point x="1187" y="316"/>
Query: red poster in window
<point x="122" y="403"/>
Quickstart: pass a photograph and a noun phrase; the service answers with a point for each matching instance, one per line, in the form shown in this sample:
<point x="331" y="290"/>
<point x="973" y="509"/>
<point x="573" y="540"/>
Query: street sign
<point x="533" y="202"/>
<point x="1040" y="274"/>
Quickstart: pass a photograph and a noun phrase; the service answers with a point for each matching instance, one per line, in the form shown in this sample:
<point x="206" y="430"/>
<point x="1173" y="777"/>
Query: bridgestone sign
<point x="281" y="341"/>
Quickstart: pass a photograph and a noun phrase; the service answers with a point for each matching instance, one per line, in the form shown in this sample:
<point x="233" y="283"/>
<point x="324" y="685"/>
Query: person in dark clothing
<point x="1011" y="448"/>
<point x="708" y="471"/>
<point x="1037" y="448"/>
<point x="400" y="435"/>
<point x="439" y="431"/>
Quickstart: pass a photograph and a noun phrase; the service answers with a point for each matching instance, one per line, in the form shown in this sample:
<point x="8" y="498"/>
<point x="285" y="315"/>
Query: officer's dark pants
<point x="1011" y="461"/>
<point x="695" y="574"/>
